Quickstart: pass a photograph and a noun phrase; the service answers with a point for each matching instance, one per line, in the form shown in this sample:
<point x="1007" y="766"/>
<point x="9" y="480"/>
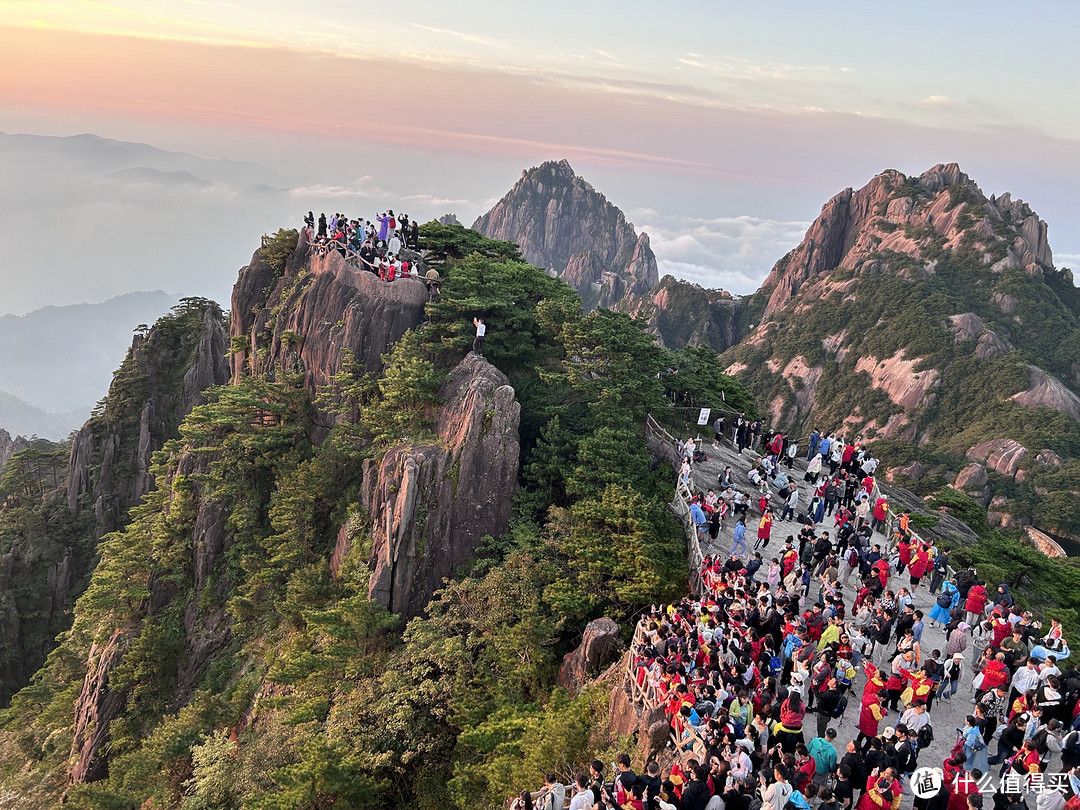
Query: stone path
<point x="947" y="715"/>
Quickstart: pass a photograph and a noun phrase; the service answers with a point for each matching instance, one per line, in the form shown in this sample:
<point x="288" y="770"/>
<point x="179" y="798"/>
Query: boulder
<point x="973" y="480"/>
<point x="1003" y="456"/>
<point x="599" y="647"/>
<point x="915" y="471"/>
<point x="972" y="477"/>
<point x="1047" y="391"/>
<point x="990" y="346"/>
<point x="1006" y="303"/>
<point x="1048" y="458"/>
<point x="966" y="326"/>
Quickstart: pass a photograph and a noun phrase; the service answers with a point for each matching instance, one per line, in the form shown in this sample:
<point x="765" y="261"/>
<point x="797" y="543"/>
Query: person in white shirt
<point x="553" y="796"/>
<point x="915" y="718"/>
<point x="1027" y="677"/>
<point x="583" y="798"/>
<point x="1049" y="668"/>
<point x="478" y="341"/>
<point x="741" y="766"/>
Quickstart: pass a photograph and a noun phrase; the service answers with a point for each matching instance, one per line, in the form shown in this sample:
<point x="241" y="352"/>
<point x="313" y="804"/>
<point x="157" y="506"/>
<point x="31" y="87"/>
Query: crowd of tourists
<point x="761" y="668"/>
<point x="377" y="244"/>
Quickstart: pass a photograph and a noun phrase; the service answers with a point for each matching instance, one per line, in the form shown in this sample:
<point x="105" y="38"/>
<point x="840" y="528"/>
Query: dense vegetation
<point x="51" y="549"/>
<point x="250" y="676"/>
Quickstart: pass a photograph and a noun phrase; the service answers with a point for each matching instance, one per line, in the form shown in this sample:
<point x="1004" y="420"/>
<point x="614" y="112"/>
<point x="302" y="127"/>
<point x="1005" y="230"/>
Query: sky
<point x="719" y="128"/>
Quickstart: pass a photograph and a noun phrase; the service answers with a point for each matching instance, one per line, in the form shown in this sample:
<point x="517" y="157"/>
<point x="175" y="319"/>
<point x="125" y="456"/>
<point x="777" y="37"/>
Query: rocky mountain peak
<point x="944" y="175"/>
<point x="899" y="220"/>
<point x="560" y="222"/>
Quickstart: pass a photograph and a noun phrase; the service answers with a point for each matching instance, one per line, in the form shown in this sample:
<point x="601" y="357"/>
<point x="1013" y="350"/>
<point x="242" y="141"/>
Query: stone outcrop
<point x="318" y="309"/>
<point x="915" y="471"/>
<point x="599" y="647"/>
<point x="109" y="471"/>
<point x="683" y="314"/>
<point x="206" y="627"/>
<point x="1047" y="391"/>
<point x="431" y="505"/>
<point x="97" y="706"/>
<point x="563" y="224"/>
<point x="896" y="376"/>
<point x="10" y="446"/>
<point x="1044" y="543"/>
<point x="947" y="529"/>
<point x="973" y="480"/>
<point x="1003" y="456"/>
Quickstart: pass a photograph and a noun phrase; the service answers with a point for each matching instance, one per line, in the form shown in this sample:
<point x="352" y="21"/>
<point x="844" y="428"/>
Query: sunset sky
<point x="719" y="128"/>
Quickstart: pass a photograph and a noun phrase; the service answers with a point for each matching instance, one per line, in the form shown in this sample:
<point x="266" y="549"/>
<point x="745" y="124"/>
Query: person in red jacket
<point x="1001" y="628"/>
<point x="976" y="603"/>
<point x="874" y="682"/>
<point x="870" y="715"/>
<point x="921" y="564"/>
<point x="881" y="510"/>
<point x="960" y="784"/>
<point x="994" y="674"/>
<point x="881" y="567"/>
<point x="904" y="549"/>
<point x="764" y="529"/>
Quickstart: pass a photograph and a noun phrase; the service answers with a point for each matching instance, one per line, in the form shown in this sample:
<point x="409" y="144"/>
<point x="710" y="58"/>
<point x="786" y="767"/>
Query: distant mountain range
<point x="56" y="362"/>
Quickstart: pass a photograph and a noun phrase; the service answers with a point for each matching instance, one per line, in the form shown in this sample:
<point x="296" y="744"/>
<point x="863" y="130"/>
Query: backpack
<point x="841" y="707"/>
<point x="944" y="600"/>
<point x="925" y="736"/>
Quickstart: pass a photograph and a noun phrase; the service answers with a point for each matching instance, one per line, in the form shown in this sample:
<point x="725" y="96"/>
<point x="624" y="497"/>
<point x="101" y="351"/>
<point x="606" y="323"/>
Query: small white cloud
<point x="937" y="100"/>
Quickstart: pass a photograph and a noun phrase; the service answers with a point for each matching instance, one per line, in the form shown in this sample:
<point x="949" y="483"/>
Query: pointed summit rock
<point x="563" y="224"/>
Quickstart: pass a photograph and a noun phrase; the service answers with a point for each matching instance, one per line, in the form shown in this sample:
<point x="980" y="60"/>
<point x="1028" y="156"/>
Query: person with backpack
<point x="823" y="753"/>
<point x="829" y="706"/>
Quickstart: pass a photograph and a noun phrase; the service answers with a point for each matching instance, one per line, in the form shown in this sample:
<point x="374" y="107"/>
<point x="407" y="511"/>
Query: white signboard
<point x="703" y="417"/>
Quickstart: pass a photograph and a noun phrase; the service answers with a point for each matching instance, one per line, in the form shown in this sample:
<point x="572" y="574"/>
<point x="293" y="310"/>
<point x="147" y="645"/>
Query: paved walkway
<point x="947" y="715"/>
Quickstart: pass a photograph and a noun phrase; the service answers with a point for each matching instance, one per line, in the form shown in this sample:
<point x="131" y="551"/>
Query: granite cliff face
<point x="163" y="377"/>
<point x="683" y="314"/>
<point x="81" y="494"/>
<point x="203" y="629"/>
<point x="308" y="316"/>
<point x="431" y="505"/>
<point x="918" y="309"/>
<point x="562" y="223"/>
<point x="913" y="217"/>
<point x="10" y="446"/>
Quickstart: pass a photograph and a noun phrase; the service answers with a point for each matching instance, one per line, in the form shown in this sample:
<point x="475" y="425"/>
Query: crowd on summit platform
<point x="377" y="244"/>
<point x="856" y="620"/>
